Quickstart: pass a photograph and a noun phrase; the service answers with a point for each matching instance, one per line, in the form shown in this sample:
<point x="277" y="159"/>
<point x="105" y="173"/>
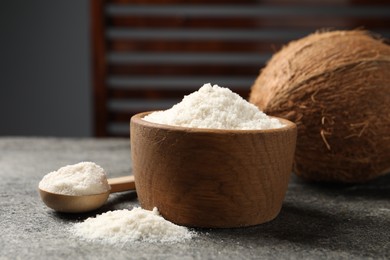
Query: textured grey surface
<point x="316" y="222"/>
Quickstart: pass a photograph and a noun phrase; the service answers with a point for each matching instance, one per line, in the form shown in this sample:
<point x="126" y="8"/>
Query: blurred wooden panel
<point x="246" y="22"/>
<point x="313" y="22"/>
<point x="148" y="54"/>
<point x="256" y="2"/>
<point x="184" y="70"/>
<point x="151" y="94"/>
<point x="167" y="83"/>
<point x="99" y="67"/>
<point x="212" y="45"/>
<point x="165" y="2"/>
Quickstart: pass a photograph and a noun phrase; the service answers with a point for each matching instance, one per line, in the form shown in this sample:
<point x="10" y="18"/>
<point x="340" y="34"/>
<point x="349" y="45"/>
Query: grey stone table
<point x="316" y="221"/>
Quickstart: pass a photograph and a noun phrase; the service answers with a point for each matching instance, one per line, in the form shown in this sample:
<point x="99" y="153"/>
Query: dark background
<point x="44" y="68"/>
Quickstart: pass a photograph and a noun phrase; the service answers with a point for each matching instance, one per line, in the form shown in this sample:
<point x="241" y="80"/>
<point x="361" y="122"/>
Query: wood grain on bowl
<point x="212" y="178"/>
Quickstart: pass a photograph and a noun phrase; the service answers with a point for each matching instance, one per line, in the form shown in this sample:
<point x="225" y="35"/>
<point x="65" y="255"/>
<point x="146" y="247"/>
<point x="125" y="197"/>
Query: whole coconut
<point x="336" y="87"/>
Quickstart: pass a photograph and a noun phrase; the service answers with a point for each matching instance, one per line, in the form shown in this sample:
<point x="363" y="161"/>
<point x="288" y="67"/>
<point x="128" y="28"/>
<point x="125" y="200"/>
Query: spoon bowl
<point x="85" y="203"/>
<point x="73" y="204"/>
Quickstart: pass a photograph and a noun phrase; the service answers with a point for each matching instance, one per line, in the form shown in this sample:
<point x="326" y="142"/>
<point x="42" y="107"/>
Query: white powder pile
<point x="84" y="178"/>
<point x="214" y="107"/>
<point x="136" y="225"/>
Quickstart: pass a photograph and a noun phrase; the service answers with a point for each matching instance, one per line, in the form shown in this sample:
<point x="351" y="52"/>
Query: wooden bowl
<point x="212" y="178"/>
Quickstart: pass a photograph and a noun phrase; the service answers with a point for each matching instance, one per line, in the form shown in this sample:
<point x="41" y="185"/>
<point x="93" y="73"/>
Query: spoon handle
<point x="121" y="183"/>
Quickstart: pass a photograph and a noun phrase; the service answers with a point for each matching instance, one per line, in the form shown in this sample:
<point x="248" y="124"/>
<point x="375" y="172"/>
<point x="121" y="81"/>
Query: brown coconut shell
<point x="336" y="87"/>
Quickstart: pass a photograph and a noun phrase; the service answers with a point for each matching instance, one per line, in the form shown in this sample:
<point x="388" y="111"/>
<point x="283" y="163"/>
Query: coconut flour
<point x="214" y="107"/>
<point x="84" y="178"/>
<point x="136" y="225"/>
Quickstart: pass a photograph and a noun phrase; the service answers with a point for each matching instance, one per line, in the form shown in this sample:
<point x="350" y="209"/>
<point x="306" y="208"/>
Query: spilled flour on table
<point x="136" y="225"/>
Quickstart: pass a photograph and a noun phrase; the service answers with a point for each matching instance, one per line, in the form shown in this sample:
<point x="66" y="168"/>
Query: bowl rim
<point x="138" y="119"/>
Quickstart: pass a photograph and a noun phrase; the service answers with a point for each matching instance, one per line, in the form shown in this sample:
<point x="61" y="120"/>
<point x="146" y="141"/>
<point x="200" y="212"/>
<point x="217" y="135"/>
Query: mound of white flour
<point x="136" y="225"/>
<point x="214" y="107"/>
<point x="84" y="178"/>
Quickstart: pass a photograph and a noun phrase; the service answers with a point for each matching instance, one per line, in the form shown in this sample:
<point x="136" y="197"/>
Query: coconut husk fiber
<point x="336" y="87"/>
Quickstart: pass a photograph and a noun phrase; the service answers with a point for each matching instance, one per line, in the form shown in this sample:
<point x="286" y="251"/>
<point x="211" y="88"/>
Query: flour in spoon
<point x="84" y="178"/>
<point x="136" y="225"/>
<point x="215" y="107"/>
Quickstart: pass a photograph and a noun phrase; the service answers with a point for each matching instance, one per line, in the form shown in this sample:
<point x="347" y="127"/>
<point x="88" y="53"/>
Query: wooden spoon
<point x="85" y="203"/>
